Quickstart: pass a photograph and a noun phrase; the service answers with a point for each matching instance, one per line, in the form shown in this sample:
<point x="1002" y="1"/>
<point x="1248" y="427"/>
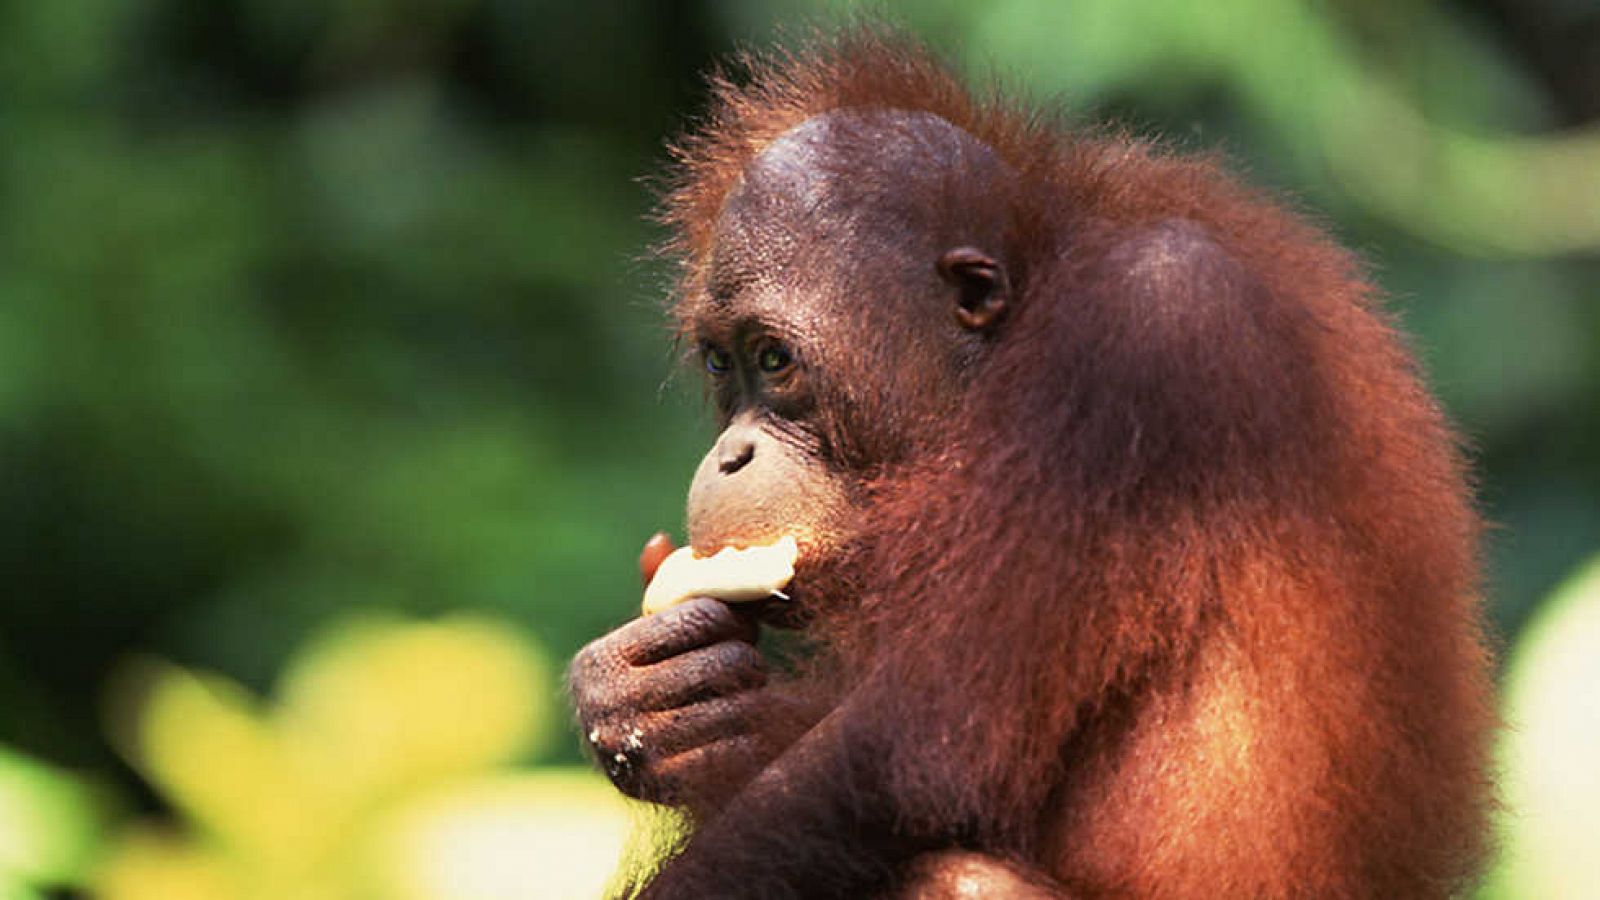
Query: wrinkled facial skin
<point x="816" y="254"/>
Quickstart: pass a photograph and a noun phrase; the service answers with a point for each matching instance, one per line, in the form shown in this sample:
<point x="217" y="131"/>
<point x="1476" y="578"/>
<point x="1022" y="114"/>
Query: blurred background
<point x="335" y="400"/>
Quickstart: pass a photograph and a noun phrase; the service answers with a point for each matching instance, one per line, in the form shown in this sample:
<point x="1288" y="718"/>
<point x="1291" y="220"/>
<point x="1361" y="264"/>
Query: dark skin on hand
<point x="1134" y="559"/>
<point x="638" y="694"/>
<point x="664" y="695"/>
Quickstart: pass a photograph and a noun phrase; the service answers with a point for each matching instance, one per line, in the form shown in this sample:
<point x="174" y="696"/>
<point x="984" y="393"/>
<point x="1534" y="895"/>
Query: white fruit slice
<point x="729" y="574"/>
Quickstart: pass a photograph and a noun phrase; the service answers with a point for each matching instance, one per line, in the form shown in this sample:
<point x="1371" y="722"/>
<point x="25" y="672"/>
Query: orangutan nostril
<point x="733" y="462"/>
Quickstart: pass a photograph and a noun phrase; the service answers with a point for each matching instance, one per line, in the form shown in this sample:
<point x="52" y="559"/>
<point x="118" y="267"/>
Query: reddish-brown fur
<point x="1180" y="602"/>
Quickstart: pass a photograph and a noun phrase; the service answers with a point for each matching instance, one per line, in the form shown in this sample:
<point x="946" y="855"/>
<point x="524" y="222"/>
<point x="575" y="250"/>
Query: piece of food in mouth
<point x="730" y="574"/>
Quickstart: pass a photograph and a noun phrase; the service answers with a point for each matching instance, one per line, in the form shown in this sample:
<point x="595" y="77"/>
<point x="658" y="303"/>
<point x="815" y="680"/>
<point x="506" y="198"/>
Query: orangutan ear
<point x="981" y="287"/>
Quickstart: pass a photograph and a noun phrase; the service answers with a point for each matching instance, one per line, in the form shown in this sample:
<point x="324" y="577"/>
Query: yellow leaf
<point x="201" y="741"/>
<point x="549" y="835"/>
<point x="376" y="706"/>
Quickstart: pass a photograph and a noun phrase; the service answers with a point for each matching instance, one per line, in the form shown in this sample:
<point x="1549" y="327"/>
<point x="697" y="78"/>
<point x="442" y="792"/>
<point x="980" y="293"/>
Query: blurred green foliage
<point x="52" y="825"/>
<point x="318" y="308"/>
<point x="1548" y="777"/>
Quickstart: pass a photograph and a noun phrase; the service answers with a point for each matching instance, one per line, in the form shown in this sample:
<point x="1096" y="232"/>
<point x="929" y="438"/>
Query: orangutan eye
<point x="718" y="362"/>
<point x="773" y="358"/>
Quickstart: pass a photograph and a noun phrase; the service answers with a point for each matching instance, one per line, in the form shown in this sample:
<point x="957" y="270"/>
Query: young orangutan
<point x="1135" y="558"/>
